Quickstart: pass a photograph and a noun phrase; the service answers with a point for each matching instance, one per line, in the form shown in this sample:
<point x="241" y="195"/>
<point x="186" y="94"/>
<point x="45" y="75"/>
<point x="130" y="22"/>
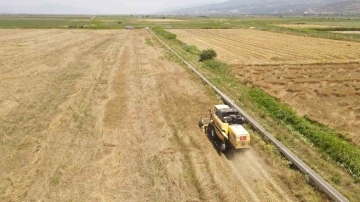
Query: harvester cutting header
<point x="225" y="125"/>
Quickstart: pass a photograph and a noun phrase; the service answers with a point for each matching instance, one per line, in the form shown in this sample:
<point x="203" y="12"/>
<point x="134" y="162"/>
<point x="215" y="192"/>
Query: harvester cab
<point x="225" y="126"/>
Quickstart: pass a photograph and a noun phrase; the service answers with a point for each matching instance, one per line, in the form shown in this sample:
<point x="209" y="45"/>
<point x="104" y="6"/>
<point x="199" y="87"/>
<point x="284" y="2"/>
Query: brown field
<point x="247" y="46"/>
<point x="303" y="26"/>
<point x="102" y="116"/>
<point x="329" y="94"/>
<point x="326" y="91"/>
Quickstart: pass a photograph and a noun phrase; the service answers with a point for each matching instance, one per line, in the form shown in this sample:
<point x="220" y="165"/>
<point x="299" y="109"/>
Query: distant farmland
<point x="248" y="46"/>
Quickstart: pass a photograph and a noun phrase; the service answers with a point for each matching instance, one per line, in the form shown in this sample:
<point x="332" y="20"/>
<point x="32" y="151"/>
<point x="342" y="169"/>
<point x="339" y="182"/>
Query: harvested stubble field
<point x="255" y="47"/>
<point x="104" y="116"/>
<point x="313" y="75"/>
<point x="329" y="94"/>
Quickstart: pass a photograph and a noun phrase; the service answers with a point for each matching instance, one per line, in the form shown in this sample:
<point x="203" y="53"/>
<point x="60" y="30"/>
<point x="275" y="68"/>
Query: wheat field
<point x="255" y="47"/>
<point x="106" y="116"/>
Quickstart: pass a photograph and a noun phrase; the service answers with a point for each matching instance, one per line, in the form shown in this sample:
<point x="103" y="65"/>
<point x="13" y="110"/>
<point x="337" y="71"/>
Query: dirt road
<point x="105" y="116"/>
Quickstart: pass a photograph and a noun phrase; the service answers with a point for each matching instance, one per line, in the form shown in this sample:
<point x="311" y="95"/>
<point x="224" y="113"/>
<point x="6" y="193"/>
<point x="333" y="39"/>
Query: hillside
<point x="348" y="7"/>
<point x="241" y="7"/>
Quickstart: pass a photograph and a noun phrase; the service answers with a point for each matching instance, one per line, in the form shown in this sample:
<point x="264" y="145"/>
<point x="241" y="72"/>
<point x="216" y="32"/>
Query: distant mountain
<point x="348" y="7"/>
<point x="240" y="7"/>
<point x="169" y="10"/>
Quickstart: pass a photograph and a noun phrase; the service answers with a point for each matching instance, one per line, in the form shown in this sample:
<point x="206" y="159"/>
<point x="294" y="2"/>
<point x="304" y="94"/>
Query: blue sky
<point x="94" y="6"/>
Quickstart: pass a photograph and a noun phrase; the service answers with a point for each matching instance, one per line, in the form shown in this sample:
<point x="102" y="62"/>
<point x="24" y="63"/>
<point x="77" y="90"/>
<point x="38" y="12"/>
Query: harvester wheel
<point x="212" y="132"/>
<point x="223" y="146"/>
<point x="210" y="128"/>
<point x="201" y="123"/>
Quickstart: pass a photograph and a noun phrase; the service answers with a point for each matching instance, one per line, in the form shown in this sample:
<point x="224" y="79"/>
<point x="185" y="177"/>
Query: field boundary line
<point x="306" y="170"/>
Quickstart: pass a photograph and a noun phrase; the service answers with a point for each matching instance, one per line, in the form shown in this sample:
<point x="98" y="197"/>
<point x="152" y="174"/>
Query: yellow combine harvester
<point x="225" y="126"/>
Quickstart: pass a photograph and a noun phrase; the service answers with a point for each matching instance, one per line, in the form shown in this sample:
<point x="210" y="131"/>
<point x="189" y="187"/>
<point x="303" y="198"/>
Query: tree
<point x="207" y="54"/>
